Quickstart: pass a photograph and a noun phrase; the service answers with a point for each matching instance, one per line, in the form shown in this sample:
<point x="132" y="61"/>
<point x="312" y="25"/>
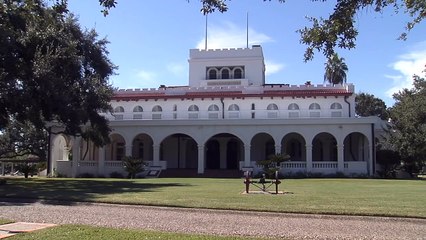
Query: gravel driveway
<point x="216" y="222"/>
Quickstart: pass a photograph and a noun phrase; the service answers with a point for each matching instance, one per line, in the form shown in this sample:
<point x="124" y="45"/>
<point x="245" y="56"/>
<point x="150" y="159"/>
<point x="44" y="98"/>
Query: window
<point x="272" y="110"/>
<point x="213" y="107"/>
<point x="156" y="112"/>
<point x="157" y="109"/>
<point x="253" y="107"/>
<point x="238" y="73"/>
<point x="213" y="111"/>
<point x="138" y="109"/>
<point x="336" y="106"/>
<point x="293" y="110"/>
<point x="119" y="109"/>
<point x="314" y="106"/>
<point x="272" y="106"/>
<point x="233" y="111"/>
<point x="137" y="112"/>
<point x="293" y="106"/>
<point x="193" y="112"/>
<point x="234" y="107"/>
<point x="212" y="73"/>
<point x="225" y="73"/>
<point x="193" y="108"/>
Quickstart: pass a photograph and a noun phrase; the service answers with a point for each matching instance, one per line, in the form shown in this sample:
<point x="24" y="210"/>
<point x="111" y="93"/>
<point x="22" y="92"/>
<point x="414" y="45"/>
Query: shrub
<point x="86" y="175"/>
<point x="133" y="166"/>
<point x="272" y="164"/>
<point x="116" y="175"/>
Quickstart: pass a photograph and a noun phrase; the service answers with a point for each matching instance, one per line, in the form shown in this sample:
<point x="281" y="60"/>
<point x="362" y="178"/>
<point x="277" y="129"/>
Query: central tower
<point x="227" y="67"/>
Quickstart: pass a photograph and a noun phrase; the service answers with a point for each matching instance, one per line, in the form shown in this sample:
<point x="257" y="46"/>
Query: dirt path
<point x="216" y="222"/>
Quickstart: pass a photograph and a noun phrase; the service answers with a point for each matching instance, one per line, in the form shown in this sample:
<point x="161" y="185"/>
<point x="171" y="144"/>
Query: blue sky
<point x="150" y="42"/>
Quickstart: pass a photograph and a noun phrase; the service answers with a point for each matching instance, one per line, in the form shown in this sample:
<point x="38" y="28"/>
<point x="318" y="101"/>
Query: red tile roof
<point x="147" y="95"/>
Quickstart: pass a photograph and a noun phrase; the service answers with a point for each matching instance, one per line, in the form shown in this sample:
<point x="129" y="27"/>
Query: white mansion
<point x="227" y="119"/>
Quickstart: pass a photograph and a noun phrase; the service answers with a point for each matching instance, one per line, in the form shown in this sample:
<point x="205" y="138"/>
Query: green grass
<point x="405" y="198"/>
<point x="86" y="232"/>
<point x="5" y="221"/>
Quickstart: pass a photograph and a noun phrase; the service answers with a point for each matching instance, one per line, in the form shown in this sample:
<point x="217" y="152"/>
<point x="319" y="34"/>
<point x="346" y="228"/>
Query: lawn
<point x="378" y="197"/>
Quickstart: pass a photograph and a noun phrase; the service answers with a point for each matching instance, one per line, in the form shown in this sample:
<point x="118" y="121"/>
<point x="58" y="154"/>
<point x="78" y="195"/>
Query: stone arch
<point x="142" y="147"/>
<point x="262" y="146"/>
<point x="324" y="147"/>
<point x="180" y="151"/>
<point x="294" y="144"/>
<point x="61" y="150"/>
<point x="356" y="147"/>
<point x="224" y="151"/>
<point x="116" y="149"/>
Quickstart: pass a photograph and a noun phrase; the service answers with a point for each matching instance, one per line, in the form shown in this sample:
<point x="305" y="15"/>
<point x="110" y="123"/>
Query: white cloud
<point x="177" y="69"/>
<point x="146" y="79"/>
<point x="229" y="35"/>
<point x="273" y="67"/>
<point x="408" y="64"/>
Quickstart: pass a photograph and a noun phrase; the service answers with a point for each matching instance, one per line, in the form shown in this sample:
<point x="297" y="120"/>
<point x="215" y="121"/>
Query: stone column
<point x="101" y="162"/>
<point x="278" y="149"/>
<point x="247" y="155"/>
<point x="129" y="150"/>
<point x="75" y="156"/>
<point x="340" y="158"/>
<point x="201" y="155"/>
<point x="309" y="158"/>
<point x="156" y="155"/>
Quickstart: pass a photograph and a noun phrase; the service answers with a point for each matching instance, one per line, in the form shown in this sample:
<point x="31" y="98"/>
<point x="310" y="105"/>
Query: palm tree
<point x="335" y="70"/>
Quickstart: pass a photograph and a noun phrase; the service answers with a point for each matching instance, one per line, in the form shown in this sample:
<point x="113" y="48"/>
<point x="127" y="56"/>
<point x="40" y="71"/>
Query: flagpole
<point x="205" y="44"/>
<point x="247" y="23"/>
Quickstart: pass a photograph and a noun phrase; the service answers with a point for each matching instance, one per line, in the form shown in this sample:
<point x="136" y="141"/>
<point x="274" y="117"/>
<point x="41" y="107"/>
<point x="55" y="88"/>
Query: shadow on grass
<point x="68" y="191"/>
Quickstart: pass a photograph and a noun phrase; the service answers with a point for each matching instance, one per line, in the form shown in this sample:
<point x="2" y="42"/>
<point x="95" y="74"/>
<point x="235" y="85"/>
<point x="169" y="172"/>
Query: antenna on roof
<point x="205" y="44"/>
<point x="247" y="31"/>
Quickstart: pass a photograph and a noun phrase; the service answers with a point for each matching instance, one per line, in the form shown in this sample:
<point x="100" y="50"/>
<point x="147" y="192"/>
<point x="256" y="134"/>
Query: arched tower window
<point x="238" y="73"/>
<point x="225" y="73"/>
<point x="212" y="73"/>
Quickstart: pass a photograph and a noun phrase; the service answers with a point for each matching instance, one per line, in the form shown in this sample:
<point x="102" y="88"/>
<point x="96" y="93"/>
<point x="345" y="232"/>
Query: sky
<point x="150" y="42"/>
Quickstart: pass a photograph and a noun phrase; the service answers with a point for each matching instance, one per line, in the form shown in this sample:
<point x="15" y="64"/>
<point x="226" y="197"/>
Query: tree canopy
<point x="409" y="124"/>
<point x="335" y="70"/>
<point x="52" y="71"/>
<point x="339" y="29"/>
<point x="369" y="105"/>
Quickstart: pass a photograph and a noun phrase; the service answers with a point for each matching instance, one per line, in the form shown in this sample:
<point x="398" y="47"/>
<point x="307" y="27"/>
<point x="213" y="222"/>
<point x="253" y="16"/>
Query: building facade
<point x="228" y="118"/>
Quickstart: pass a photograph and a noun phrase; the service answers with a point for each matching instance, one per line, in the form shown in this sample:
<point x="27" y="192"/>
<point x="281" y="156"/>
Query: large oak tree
<point x="52" y="71"/>
<point x="409" y="124"/>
